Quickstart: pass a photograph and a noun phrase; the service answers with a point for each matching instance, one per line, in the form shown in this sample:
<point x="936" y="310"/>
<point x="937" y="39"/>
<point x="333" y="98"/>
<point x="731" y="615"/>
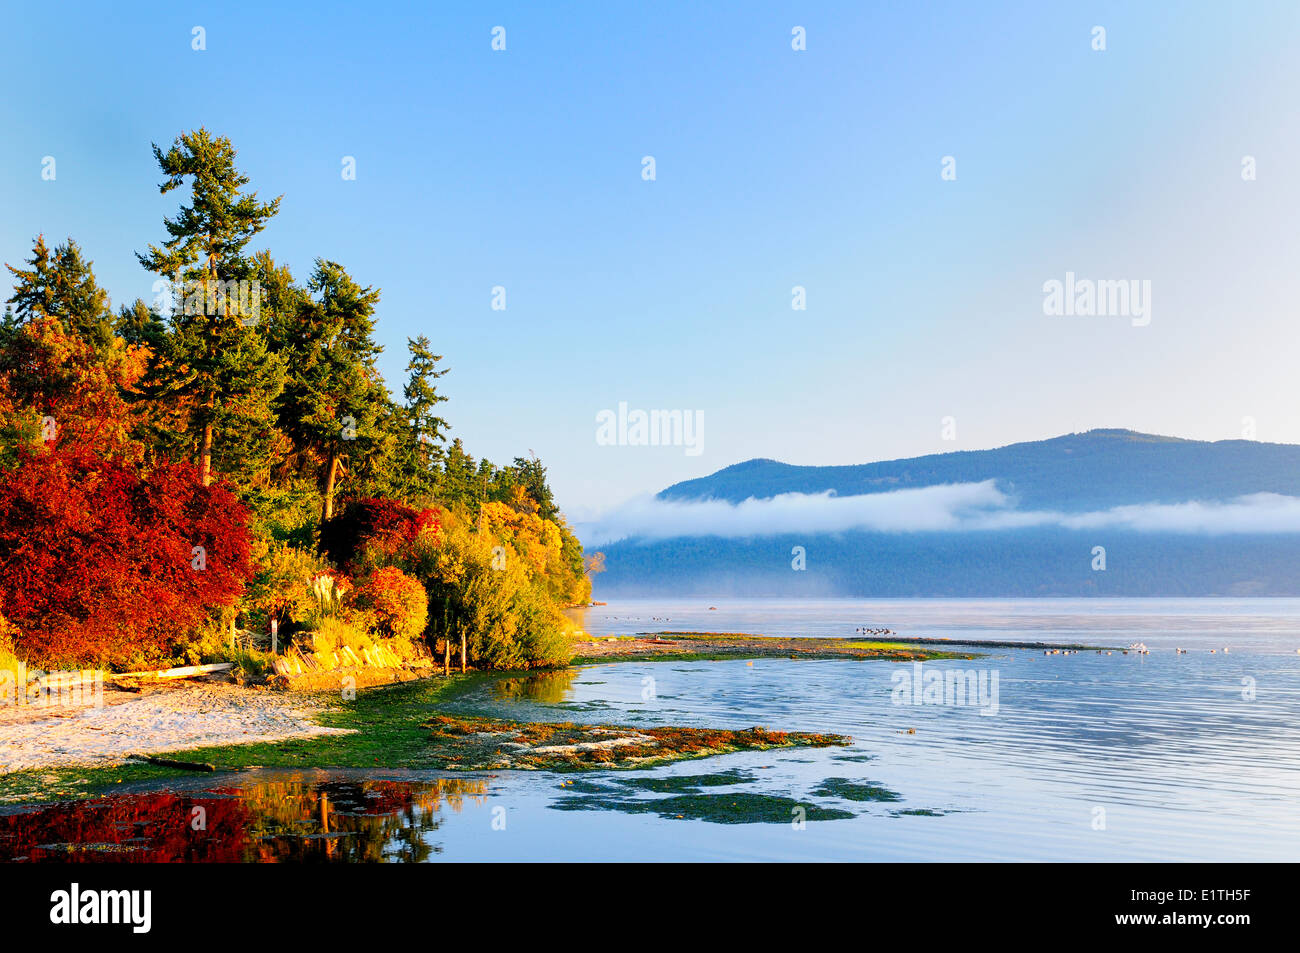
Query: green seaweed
<point x="739" y="808"/>
<point x="687" y="783"/>
<point x="855" y="791"/>
<point x="919" y="812"/>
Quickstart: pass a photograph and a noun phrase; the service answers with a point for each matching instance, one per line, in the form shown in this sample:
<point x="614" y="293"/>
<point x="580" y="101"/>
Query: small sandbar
<point x="705" y="646"/>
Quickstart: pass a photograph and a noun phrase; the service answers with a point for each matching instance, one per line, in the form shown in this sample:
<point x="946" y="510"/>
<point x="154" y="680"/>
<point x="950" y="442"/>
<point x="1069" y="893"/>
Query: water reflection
<point x="548" y="688"/>
<point x="265" y="820"/>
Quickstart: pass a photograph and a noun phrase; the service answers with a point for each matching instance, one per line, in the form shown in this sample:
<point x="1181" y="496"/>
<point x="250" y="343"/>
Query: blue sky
<point x="775" y="168"/>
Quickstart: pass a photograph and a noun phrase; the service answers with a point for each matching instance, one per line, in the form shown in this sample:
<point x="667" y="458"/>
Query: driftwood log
<point x="170" y="763"/>
<point x="186" y="671"/>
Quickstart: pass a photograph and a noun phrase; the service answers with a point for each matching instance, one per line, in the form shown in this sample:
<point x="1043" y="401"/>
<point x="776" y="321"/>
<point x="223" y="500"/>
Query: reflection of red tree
<point x="144" y="827"/>
<point x="265" y="821"/>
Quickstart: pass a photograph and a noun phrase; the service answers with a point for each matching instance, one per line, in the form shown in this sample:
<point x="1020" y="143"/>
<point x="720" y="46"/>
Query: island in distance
<point x="1103" y="513"/>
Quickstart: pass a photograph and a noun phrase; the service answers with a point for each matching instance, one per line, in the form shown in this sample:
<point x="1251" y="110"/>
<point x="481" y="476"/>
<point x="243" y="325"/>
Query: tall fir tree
<point x="64" y="373"/>
<point x="137" y="323"/>
<point x="333" y="394"/>
<point x="460" y="480"/>
<point x="213" y="366"/>
<point x="61" y="284"/>
<point x="421" y="402"/>
<point x="530" y="475"/>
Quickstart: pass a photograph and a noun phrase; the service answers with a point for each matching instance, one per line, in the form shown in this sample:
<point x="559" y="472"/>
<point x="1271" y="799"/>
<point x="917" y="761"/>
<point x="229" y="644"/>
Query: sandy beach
<point x="159" y="719"/>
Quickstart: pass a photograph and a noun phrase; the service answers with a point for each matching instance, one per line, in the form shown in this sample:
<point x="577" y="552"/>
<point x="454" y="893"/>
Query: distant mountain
<point x="1086" y="472"/>
<point x="1098" y="469"/>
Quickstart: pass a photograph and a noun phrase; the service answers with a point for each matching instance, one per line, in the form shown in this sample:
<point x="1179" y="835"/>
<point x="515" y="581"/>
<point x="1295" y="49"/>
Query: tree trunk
<point x="205" y="455"/>
<point x="462" y="650"/>
<point x="331" y="473"/>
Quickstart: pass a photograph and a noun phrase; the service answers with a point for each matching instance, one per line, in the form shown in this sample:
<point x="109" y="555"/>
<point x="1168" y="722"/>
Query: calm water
<point x="1088" y="757"/>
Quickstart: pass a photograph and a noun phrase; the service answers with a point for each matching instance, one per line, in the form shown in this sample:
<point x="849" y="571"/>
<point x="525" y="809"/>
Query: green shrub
<point x="287" y="587"/>
<point x="508" y="619"/>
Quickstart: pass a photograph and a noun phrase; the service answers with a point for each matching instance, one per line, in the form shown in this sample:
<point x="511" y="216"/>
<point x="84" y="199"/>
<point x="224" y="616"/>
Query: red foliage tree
<point x="55" y="387"/>
<point x="101" y="565"/>
<point x="373" y="520"/>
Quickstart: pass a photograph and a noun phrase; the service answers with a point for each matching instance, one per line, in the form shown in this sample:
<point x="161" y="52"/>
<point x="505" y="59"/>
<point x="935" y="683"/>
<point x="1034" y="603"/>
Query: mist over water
<point x="950" y="507"/>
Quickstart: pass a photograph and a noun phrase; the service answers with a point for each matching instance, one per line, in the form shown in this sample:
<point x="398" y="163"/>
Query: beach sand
<point x="159" y="719"/>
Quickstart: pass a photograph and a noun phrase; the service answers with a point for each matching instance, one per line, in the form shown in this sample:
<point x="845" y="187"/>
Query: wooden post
<point x="446" y="654"/>
<point x="275" y="636"/>
<point x="232" y="633"/>
<point x="462" y="650"/>
<point x="446" y="624"/>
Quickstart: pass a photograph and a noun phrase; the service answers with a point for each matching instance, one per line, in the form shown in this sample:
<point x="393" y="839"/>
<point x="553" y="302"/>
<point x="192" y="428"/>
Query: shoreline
<point x="402" y="726"/>
<point x="429" y="724"/>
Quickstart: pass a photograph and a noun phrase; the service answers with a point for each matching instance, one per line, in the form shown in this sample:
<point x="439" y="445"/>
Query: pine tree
<point x="137" y="323"/>
<point x="333" y="393"/>
<point x="460" y="481"/>
<point x="59" y="357"/>
<point x="61" y="284"/>
<point x="213" y="366"/>
<point x="530" y="474"/>
<point x="386" y="468"/>
<point x="422" y="398"/>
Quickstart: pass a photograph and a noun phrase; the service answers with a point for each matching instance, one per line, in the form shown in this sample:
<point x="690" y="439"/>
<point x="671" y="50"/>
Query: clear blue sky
<point x="775" y="168"/>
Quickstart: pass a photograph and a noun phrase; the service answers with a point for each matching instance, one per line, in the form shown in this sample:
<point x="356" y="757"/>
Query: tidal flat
<point x="435" y="723"/>
<point x="392" y="726"/>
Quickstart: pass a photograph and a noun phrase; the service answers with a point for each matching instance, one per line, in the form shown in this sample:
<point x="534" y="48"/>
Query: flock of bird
<point x="863" y="630"/>
<point x="1137" y="648"/>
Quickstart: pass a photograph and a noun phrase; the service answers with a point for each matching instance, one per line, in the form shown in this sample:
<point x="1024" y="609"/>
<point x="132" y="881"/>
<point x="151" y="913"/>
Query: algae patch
<point x="920" y="812"/>
<point x="855" y="791"/>
<point x="735" y="808"/>
<point x="687" y="783"/>
<point x="475" y="744"/>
